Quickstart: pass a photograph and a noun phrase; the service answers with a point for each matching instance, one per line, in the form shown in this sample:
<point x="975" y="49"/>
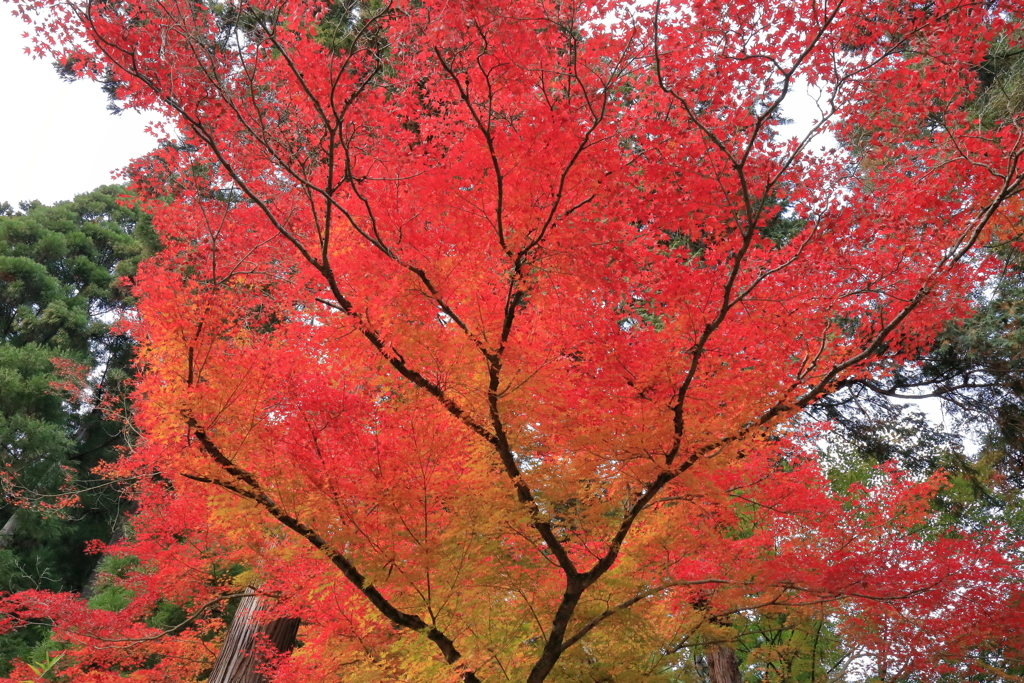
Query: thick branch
<point x="247" y="486"/>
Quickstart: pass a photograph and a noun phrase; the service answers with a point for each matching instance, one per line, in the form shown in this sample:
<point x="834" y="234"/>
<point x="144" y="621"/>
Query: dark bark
<point x="553" y="648"/>
<point x="246" y="485"/>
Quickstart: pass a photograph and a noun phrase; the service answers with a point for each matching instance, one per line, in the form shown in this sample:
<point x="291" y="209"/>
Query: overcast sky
<point x="56" y="139"/>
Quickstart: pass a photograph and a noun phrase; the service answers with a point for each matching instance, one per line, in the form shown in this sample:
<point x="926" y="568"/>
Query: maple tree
<point x="483" y="330"/>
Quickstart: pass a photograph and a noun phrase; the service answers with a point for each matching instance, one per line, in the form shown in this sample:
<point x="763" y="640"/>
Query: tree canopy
<point x="60" y="290"/>
<point x="483" y="332"/>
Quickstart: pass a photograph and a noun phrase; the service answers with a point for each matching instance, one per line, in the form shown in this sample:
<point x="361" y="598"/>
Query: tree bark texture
<point x="722" y="665"/>
<point x="237" y="660"/>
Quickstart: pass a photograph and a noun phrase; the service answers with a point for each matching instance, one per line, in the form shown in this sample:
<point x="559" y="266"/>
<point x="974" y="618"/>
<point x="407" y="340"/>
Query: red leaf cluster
<point x="481" y="327"/>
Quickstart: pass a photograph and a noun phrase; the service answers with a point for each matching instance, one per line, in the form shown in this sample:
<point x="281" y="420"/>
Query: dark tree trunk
<point x="237" y="661"/>
<point x="722" y="665"/>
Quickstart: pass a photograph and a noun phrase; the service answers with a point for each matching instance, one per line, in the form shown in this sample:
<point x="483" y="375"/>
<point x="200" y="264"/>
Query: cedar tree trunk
<point x="722" y="665"/>
<point x="237" y="662"/>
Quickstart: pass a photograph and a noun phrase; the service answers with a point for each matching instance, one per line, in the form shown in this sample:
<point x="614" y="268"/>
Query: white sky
<point x="57" y="139"/>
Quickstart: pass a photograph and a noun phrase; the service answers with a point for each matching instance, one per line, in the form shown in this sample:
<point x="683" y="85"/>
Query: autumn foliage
<point x="482" y="330"/>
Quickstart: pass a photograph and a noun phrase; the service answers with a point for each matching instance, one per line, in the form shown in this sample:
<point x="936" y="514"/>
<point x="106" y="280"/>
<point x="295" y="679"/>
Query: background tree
<point x="972" y="374"/>
<point x="474" y="341"/>
<point x="974" y="367"/>
<point x="60" y="270"/>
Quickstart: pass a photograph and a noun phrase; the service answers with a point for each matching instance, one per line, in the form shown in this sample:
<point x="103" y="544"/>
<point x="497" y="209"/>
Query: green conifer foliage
<point x="61" y="269"/>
